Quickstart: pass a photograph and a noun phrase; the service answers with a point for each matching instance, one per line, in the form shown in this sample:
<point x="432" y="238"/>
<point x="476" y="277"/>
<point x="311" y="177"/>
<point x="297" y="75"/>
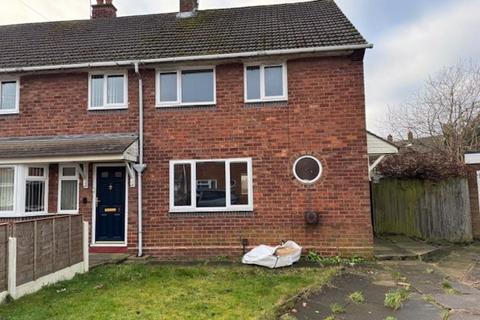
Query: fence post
<point x="86" y="257"/>
<point x="12" y="267"/>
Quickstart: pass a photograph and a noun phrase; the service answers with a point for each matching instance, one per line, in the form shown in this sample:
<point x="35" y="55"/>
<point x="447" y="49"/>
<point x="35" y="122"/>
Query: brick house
<point x="190" y="134"/>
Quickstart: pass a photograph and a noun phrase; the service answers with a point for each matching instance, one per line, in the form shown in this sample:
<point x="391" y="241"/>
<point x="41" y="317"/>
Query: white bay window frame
<point x="263" y="97"/>
<point x="193" y="200"/>
<point x="106" y="105"/>
<point x="16" y="110"/>
<point x="61" y="178"/>
<point x="178" y="102"/>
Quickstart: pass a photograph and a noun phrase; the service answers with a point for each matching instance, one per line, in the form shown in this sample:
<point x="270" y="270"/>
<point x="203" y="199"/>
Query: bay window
<point x="186" y="87"/>
<point x="108" y="91"/>
<point x="220" y="185"/>
<point x="9" y="96"/>
<point x="68" y="189"/>
<point x="266" y="82"/>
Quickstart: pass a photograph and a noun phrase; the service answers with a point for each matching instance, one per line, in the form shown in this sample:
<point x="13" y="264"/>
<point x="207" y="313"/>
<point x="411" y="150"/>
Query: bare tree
<point x="446" y="109"/>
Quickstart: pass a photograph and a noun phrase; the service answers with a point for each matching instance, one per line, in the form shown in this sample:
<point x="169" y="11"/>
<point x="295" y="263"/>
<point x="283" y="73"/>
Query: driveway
<point x="445" y="289"/>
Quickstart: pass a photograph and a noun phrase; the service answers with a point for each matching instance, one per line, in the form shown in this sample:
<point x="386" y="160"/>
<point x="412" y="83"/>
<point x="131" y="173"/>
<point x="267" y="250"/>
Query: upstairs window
<point x="265" y="82"/>
<point x="186" y="87"/>
<point x="108" y="91"/>
<point x="219" y="185"/>
<point x="9" y="92"/>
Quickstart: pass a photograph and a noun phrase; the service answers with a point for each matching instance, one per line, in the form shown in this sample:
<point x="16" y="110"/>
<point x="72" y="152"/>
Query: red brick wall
<point x="325" y="116"/>
<point x="474" y="200"/>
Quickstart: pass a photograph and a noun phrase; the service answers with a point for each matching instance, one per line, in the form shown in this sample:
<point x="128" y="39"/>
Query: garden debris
<point x="274" y="257"/>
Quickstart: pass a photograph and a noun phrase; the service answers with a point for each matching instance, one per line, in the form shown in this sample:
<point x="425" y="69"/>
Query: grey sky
<point x="412" y="38"/>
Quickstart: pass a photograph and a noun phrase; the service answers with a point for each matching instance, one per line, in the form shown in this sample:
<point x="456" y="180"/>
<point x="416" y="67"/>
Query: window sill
<point x="108" y="108"/>
<point x="203" y="213"/>
<point x="185" y="106"/>
<point x="7" y="113"/>
<point x="275" y="103"/>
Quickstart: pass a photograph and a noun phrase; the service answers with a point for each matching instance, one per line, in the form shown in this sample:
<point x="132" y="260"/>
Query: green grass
<point x="447" y="287"/>
<point x="337" y="308"/>
<point x="135" y="291"/>
<point x="357" y="297"/>
<point x="395" y="298"/>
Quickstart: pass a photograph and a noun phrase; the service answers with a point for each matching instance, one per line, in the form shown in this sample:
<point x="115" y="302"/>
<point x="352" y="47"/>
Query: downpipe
<point x="140" y="167"/>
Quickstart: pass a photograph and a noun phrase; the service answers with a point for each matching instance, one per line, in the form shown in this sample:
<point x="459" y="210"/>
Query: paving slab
<point x="462" y="315"/>
<point x="98" y="259"/>
<point x="402" y="248"/>
<point x="466" y="302"/>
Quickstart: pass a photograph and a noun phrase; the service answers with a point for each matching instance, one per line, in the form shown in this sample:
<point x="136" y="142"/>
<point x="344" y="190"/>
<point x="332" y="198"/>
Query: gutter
<point x="140" y="167"/>
<point x="190" y="58"/>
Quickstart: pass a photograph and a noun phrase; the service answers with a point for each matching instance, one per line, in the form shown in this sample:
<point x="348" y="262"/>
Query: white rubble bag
<point x="274" y="257"/>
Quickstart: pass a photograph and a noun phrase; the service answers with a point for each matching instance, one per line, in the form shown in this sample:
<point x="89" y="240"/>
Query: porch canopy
<point x="75" y="148"/>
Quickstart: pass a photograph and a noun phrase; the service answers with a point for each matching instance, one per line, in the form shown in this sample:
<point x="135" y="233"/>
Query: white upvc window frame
<point x="107" y="106"/>
<point x="15" y="190"/>
<point x="27" y="178"/>
<point x="229" y="207"/>
<point x="61" y="178"/>
<point x="178" y="102"/>
<point x="17" y="96"/>
<point x="262" y="67"/>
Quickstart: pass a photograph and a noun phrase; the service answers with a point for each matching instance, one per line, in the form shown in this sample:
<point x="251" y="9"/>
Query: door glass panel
<point x="182" y="185"/>
<point x="211" y="197"/>
<point x="239" y="174"/>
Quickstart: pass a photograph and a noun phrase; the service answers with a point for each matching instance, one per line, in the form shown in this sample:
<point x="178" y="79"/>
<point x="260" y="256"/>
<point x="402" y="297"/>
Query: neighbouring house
<point x="190" y="134"/>
<point x="378" y="148"/>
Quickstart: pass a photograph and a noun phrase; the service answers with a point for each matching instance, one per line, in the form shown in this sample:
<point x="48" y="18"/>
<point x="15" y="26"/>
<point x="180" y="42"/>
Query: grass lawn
<point x="136" y="291"/>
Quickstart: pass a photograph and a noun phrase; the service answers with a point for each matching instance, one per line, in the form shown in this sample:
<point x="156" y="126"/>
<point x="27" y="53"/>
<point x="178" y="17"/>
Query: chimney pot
<point x="410" y="136"/>
<point x="390" y="138"/>
<point x="104" y="9"/>
<point x="188" y="5"/>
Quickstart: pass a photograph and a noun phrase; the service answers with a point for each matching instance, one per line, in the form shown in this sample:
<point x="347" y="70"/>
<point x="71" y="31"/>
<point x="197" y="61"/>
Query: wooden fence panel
<point x="25" y="234"/>
<point x="76" y="240"/>
<point x="62" y="243"/>
<point x="44" y="252"/>
<point x="3" y="257"/>
<point x="424" y="209"/>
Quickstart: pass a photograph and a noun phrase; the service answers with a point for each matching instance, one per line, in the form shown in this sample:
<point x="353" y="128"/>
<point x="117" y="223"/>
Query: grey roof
<point x="310" y="24"/>
<point x="75" y="145"/>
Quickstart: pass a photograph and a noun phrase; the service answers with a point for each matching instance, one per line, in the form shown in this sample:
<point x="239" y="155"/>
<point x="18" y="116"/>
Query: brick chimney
<point x="188" y="8"/>
<point x="104" y="9"/>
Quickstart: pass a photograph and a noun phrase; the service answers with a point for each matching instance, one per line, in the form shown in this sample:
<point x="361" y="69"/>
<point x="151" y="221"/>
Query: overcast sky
<point x="412" y="38"/>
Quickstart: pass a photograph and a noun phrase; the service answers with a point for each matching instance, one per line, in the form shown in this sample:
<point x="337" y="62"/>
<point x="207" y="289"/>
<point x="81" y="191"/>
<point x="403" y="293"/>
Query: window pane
<point x="197" y="86"/>
<point x="9" y="95"/>
<point x="97" y="91"/>
<point x="253" y="83"/>
<point x="35" y="196"/>
<point x="69" y="172"/>
<point x="239" y="174"/>
<point x="7" y="187"/>
<point x="168" y="87"/>
<point x="273" y="81"/>
<point x="68" y="195"/>
<point x="182" y="185"/>
<point x="115" y="89"/>
<point x="36" y="172"/>
<point x="211" y="197"/>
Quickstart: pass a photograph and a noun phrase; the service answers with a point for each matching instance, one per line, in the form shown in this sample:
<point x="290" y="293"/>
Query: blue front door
<point x="110" y="204"/>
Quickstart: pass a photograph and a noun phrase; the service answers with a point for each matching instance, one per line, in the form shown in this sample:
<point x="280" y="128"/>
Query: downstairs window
<point x="219" y="185"/>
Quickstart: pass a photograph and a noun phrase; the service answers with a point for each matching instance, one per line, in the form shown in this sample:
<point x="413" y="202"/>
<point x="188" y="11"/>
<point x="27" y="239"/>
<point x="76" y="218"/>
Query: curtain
<point x="68" y="195"/>
<point x="7" y="188"/>
<point x="115" y="89"/>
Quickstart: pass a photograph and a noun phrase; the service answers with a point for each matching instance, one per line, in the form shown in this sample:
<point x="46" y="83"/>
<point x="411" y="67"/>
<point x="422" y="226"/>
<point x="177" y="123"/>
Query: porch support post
<point x="12" y="267"/>
<point x="374" y="165"/>
<point x="131" y="174"/>
<point x="83" y="171"/>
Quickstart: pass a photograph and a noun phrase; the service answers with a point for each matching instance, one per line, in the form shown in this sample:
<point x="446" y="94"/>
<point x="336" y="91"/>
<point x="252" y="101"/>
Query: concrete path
<point x="403" y="248"/>
<point x="98" y="259"/>
<point x="433" y="294"/>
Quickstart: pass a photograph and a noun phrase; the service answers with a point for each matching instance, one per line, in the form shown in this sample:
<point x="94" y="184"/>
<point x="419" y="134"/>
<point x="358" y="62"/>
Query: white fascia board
<point x="69" y="159"/>
<point x="472" y="158"/>
<point x="189" y="58"/>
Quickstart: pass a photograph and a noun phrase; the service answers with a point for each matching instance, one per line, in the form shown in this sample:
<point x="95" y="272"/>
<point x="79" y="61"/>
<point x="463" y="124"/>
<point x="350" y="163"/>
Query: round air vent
<point x="307" y="169"/>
